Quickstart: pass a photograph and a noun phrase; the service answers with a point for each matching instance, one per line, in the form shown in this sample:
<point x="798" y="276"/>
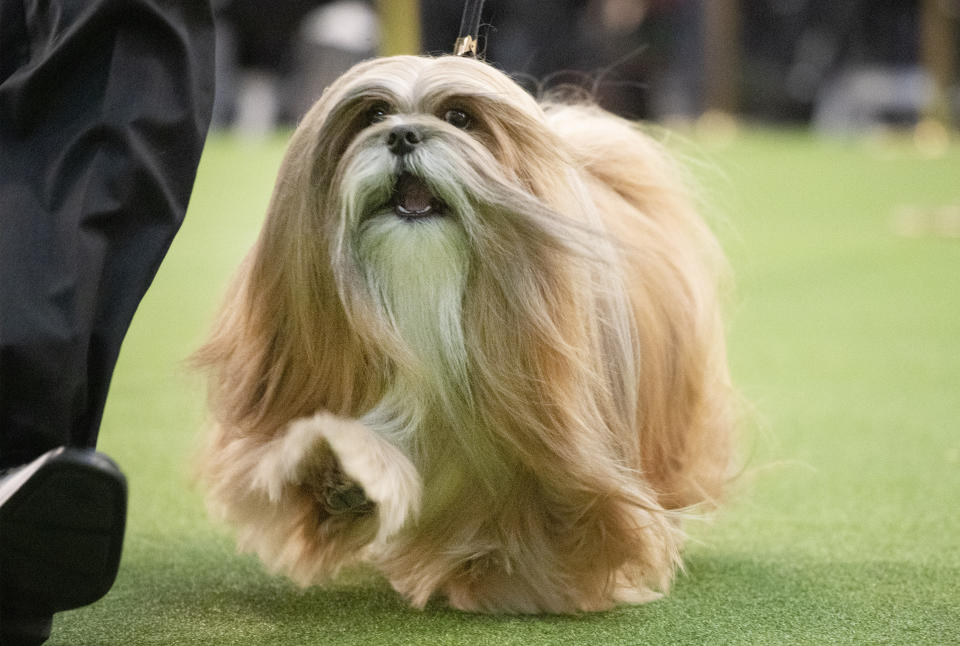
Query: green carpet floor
<point x="844" y="338"/>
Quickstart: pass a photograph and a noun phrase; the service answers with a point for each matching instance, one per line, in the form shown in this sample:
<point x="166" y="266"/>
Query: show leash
<point x="466" y="44"/>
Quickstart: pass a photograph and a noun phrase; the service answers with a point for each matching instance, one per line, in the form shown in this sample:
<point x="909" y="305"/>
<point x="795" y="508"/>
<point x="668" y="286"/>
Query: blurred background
<point x="839" y="67"/>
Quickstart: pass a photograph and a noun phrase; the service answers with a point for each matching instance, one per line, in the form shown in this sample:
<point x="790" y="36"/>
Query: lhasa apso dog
<point x="477" y="345"/>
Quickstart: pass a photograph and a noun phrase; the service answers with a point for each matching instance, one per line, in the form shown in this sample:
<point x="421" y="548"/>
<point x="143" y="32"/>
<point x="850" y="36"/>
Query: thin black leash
<point x="466" y="44"/>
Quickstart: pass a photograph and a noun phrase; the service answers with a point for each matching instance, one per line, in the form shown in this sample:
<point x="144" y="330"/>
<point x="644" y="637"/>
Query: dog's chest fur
<point x="417" y="273"/>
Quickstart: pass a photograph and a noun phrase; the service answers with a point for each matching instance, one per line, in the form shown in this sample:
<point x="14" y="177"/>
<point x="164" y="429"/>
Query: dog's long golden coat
<point x="527" y="388"/>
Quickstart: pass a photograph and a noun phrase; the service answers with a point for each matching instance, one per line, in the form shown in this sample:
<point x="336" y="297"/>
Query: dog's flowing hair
<point x="508" y="403"/>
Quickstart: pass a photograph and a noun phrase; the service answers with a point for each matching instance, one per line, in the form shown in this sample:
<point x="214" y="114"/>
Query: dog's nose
<point x="403" y="139"/>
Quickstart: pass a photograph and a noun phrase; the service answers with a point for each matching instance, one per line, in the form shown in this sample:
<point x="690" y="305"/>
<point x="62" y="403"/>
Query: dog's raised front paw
<point x="351" y="472"/>
<point x="335" y="492"/>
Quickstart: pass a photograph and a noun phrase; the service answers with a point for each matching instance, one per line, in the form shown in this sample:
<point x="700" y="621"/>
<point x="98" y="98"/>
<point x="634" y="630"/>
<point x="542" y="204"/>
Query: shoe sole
<point x="61" y="530"/>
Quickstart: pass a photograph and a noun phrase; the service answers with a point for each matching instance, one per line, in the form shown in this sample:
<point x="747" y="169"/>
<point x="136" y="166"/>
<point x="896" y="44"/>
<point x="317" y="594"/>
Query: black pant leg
<point x="102" y="124"/>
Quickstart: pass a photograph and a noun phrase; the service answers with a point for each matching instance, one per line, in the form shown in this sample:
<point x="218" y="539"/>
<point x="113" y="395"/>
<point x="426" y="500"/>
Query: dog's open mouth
<point x="412" y="199"/>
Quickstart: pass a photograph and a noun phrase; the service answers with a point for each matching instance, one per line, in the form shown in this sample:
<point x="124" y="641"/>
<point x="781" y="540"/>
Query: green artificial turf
<point x="844" y="339"/>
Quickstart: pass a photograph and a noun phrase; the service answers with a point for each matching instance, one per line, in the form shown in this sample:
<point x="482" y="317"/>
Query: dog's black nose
<point x="403" y="139"/>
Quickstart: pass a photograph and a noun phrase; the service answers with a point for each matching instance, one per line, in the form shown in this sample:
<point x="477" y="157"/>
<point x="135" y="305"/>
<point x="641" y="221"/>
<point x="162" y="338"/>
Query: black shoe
<point x="62" y="519"/>
<point x="16" y="630"/>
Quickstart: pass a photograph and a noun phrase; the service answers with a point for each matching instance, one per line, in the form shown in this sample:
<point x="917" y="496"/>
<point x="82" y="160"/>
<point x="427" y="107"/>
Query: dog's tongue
<point x="413" y="196"/>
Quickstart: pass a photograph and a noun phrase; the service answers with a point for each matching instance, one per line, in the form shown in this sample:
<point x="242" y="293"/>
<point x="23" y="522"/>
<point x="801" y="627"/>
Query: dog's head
<point x="412" y="178"/>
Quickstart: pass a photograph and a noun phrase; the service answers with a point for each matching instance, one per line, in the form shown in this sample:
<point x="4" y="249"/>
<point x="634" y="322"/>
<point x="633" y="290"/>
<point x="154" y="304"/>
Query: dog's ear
<point x="281" y="346"/>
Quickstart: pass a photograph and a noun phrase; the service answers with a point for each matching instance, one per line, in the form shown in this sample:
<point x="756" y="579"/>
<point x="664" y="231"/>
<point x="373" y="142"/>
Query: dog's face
<point x="412" y="178"/>
<point x="427" y="138"/>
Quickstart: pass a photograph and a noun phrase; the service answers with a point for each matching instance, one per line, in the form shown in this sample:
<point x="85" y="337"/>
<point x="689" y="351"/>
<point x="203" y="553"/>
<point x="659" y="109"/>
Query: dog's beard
<point x="415" y="275"/>
<point x="412" y="273"/>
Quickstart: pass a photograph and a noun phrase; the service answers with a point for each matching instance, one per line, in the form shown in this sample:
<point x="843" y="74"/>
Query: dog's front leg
<point x="349" y="470"/>
<point x="319" y="495"/>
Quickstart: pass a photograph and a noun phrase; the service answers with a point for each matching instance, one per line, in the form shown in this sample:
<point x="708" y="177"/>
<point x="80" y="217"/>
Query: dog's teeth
<point x="413" y="214"/>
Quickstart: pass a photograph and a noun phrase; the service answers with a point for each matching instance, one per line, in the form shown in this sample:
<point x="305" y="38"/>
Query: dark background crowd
<point x="838" y="66"/>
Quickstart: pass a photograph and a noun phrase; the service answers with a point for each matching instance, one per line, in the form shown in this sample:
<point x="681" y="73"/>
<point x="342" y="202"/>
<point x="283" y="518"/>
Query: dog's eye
<point x="377" y="113"/>
<point x="457" y="118"/>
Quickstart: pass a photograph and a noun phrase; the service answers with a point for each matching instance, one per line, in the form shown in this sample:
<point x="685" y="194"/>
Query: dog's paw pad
<point x="346" y="497"/>
<point x="334" y="491"/>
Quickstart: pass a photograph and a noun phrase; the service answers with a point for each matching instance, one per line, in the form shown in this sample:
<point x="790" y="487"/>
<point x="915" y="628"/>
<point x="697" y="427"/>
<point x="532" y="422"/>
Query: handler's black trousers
<point x="104" y="108"/>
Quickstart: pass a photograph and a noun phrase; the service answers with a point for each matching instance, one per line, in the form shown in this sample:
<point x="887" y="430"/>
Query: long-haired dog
<point x="477" y="345"/>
